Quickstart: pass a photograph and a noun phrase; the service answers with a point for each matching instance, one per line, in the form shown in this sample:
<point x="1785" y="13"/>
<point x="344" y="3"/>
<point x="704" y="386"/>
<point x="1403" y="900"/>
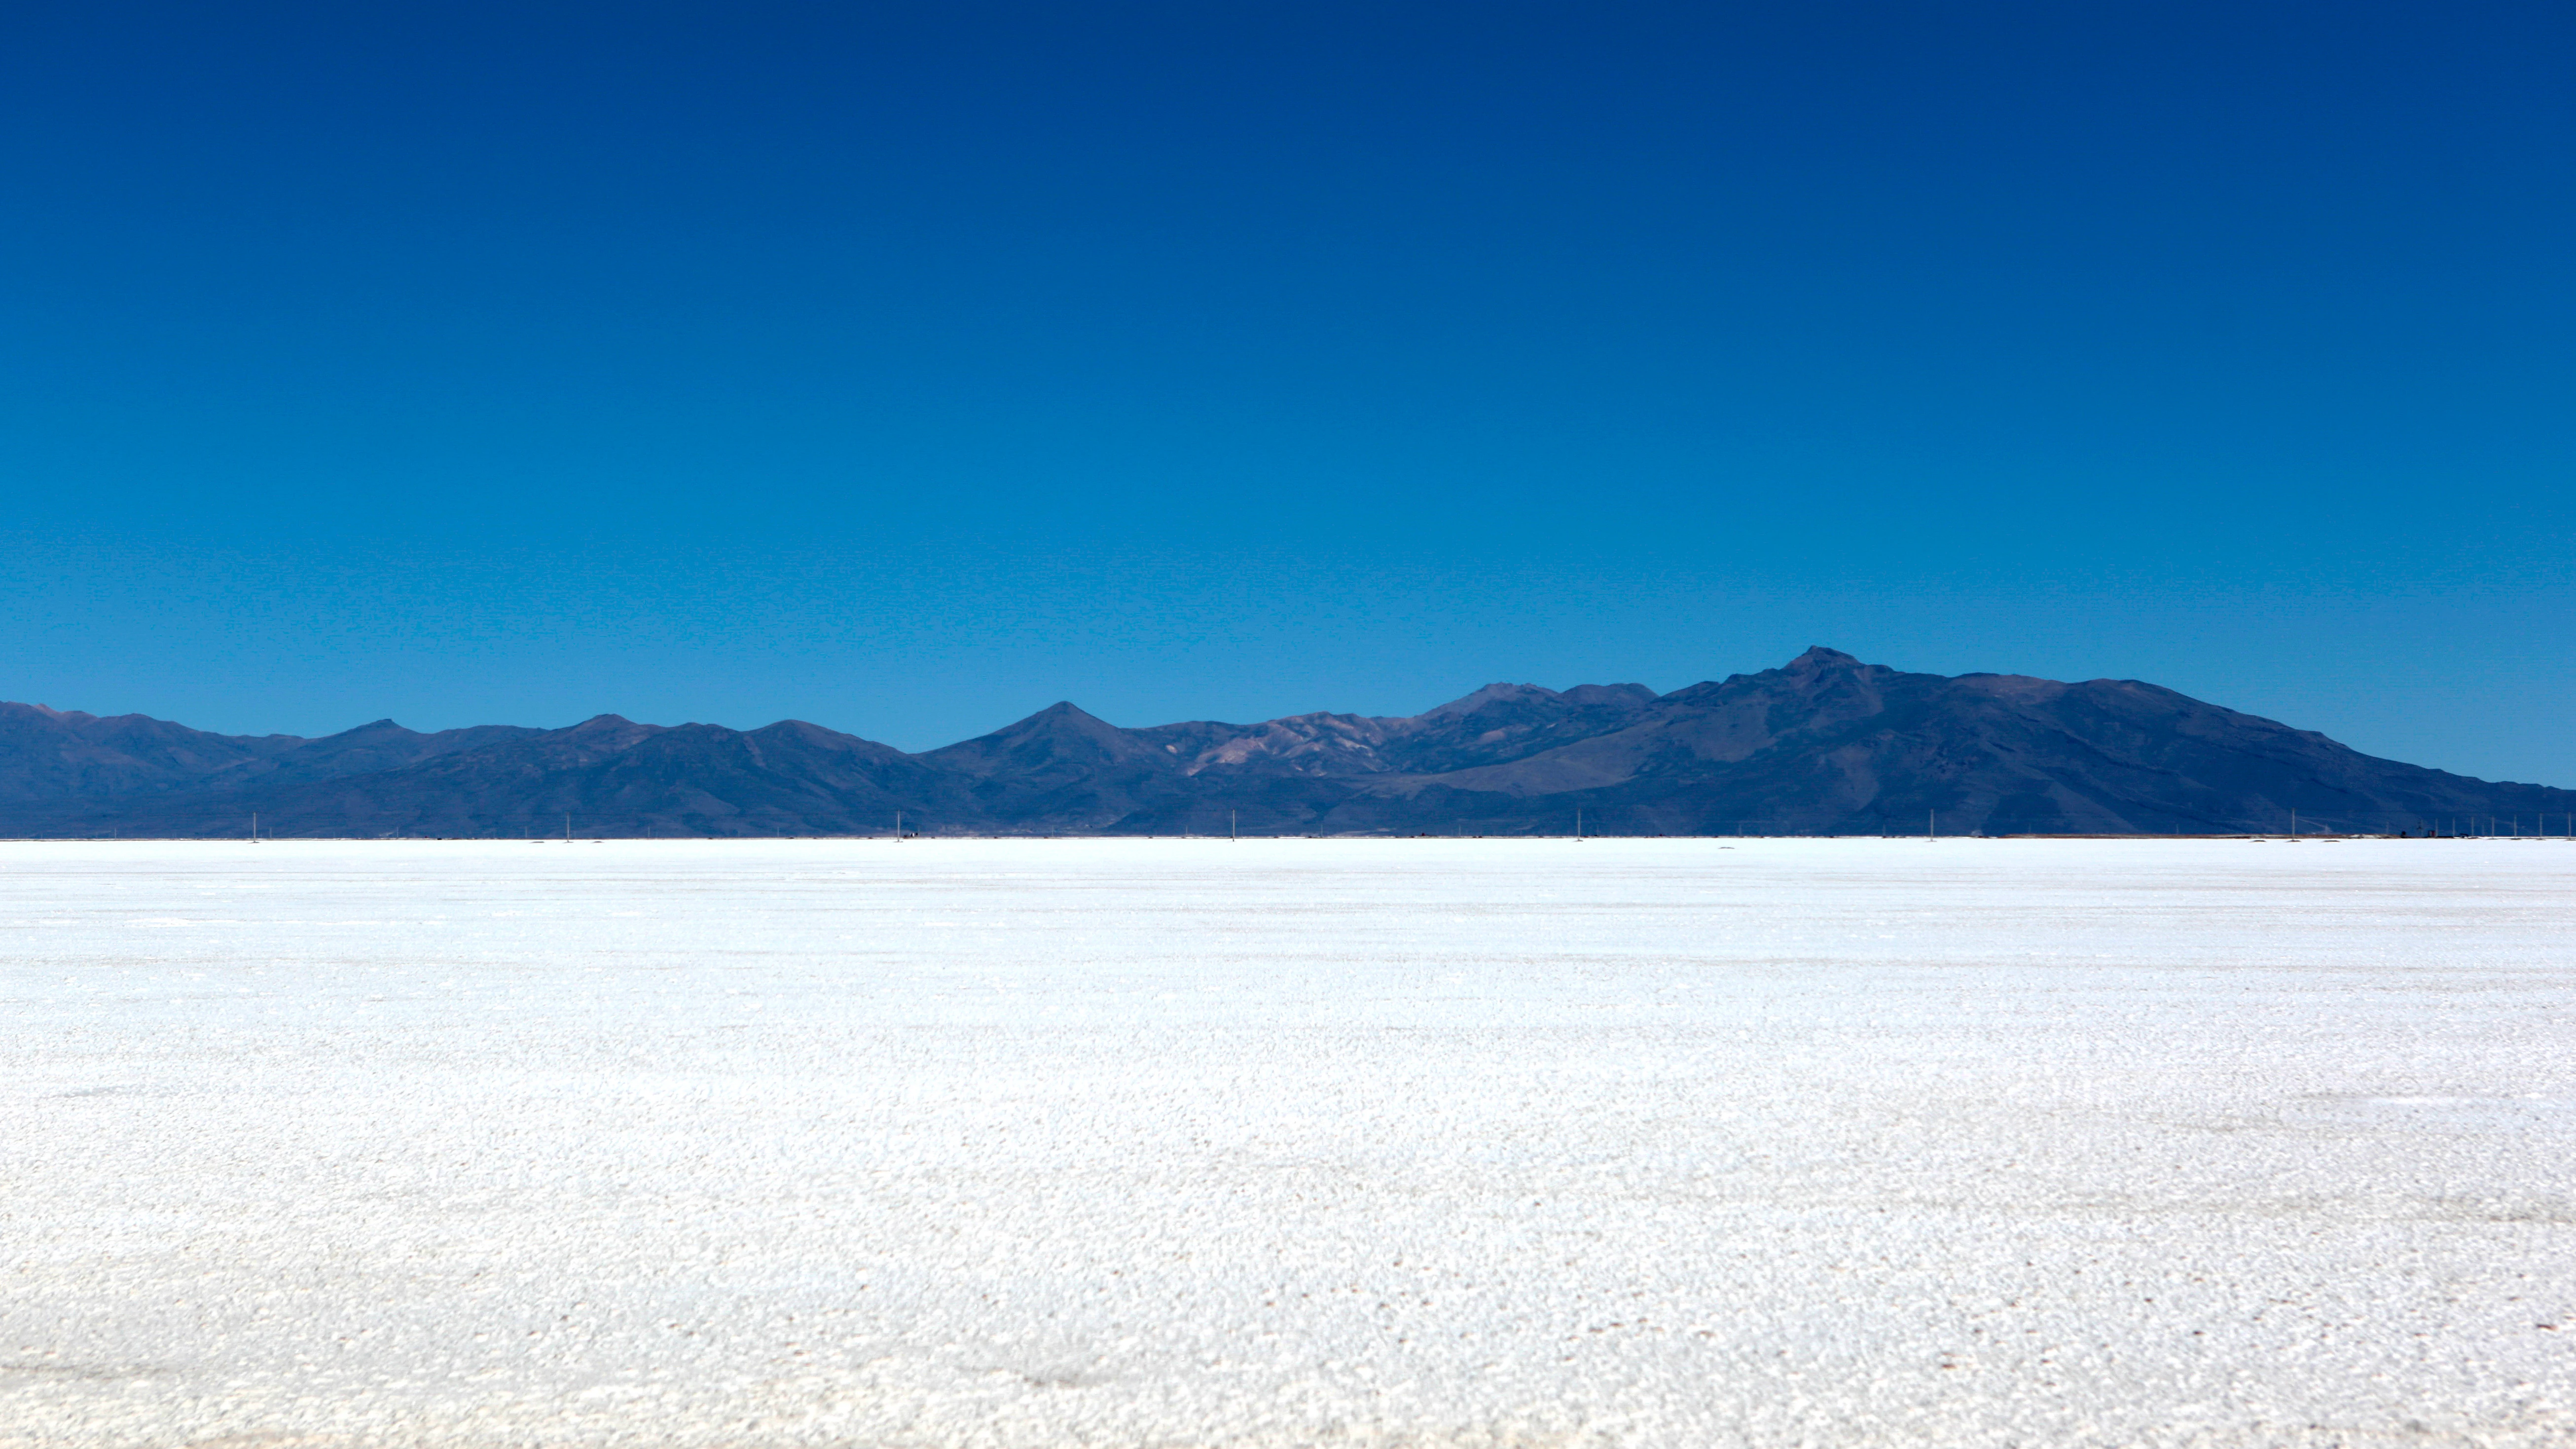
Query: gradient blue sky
<point x="907" y="368"/>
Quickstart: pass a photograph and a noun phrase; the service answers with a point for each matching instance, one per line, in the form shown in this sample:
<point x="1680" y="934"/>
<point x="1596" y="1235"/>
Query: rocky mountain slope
<point x="1824" y="744"/>
<point x="50" y="756"/>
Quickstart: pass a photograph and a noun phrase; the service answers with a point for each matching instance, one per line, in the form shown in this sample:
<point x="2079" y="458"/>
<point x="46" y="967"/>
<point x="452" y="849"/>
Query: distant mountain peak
<point x="1061" y="717"/>
<point x="1820" y="657"/>
<point x="1496" y="693"/>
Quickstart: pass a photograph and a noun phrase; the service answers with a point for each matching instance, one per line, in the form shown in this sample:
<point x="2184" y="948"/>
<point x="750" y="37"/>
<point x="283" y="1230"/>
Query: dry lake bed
<point x="1297" y="1142"/>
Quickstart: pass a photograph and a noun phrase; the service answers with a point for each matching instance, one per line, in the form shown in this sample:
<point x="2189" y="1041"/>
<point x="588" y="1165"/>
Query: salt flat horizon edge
<point x="888" y="837"/>
<point x="1420" y="1140"/>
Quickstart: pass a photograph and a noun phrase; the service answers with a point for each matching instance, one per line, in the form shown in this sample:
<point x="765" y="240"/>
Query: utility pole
<point x="2294" y="822"/>
<point x="254" y="827"/>
<point x="1230" y="816"/>
<point x="567" y="827"/>
<point x="1578" y="822"/>
<point x="1931" y="824"/>
<point x="898" y="825"/>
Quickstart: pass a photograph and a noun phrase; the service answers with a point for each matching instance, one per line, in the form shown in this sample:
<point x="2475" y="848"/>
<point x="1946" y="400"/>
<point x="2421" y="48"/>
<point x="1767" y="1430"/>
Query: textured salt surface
<point x="1294" y="1142"/>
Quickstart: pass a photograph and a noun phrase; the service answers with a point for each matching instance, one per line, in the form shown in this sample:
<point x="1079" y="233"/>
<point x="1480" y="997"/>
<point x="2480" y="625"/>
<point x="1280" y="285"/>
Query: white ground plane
<point x="1294" y="1142"/>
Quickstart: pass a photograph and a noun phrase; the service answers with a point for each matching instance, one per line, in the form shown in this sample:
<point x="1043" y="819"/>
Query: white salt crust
<point x="1182" y="1142"/>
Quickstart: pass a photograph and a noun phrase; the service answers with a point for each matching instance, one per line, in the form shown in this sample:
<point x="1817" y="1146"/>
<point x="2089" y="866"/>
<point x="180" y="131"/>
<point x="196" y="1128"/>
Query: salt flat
<point x="1183" y="1142"/>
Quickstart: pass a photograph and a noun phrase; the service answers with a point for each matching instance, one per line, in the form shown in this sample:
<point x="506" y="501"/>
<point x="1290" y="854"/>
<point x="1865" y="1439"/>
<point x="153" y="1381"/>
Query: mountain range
<point x="1822" y="745"/>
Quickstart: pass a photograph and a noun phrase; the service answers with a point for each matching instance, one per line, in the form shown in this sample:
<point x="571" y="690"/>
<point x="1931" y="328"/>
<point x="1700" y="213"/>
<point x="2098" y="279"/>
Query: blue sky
<point x="908" y="368"/>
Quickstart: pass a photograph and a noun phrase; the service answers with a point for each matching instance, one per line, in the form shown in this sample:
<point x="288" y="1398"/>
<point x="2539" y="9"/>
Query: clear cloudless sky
<point x="906" y="368"/>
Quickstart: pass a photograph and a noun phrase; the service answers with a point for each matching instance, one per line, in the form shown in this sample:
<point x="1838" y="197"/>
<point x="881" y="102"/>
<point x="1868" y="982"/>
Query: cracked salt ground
<point x="1126" y="1143"/>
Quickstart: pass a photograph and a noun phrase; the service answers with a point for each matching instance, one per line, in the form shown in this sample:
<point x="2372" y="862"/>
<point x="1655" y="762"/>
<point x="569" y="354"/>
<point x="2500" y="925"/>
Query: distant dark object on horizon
<point x="1824" y="745"/>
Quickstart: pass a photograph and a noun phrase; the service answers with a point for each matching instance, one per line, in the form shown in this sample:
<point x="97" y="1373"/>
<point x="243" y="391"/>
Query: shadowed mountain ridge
<point x="51" y="755"/>
<point x="1823" y="744"/>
